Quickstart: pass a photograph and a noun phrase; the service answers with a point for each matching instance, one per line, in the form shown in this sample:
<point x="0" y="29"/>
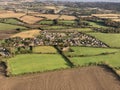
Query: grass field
<point x="54" y="27"/>
<point x="29" y="63"/>
<point x="97" y="24"/>
<point x="113" y="40"/>
<point x="66" y="22"/>
<point x="44" y="49"/>
<point x="89" y="51"/>
<point x="85" y="30"/>
<point x="111" y="59"/>
<point x="4" y="26"/>
<point x="12" y="21"/>
<point x="46" y="22"/>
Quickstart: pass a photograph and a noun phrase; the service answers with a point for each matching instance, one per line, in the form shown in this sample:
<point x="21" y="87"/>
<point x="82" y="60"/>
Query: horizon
<point x="84" y="0"/>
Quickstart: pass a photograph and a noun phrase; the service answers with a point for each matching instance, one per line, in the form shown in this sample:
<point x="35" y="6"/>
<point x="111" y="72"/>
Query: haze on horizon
<point x="85" y="0"/>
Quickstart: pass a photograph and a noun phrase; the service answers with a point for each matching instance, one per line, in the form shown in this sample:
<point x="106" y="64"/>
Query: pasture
<point x="110" y="59"/>
<point x="46" y="22"/>
<point x="66" y="22"/>
<point x="29" y="63"/>
<point x="85" y="30"/>
<point x="97" y="24"/>
<point x="89" y="51"/>
<point x="4" y="26"/>
<point x="82" y="56"/>
<point x="11" y="21"/>
<point x="44" y="49"/>
<point x="113" y="40"/>
<point x="56" y="27"/>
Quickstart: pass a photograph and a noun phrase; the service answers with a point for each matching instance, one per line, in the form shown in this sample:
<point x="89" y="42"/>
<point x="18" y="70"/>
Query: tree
<point x="55" y="21"/>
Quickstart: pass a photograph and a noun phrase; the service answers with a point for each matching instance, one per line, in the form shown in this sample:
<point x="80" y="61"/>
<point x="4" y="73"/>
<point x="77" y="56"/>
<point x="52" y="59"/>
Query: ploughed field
<point x="7" y="33"/>
<point x="86" y="78"/>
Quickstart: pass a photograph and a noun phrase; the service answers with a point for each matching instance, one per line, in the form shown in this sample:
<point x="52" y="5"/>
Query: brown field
<point x="106" y="15"/>
<point x="66" y="17"/>
<point x="27" y="34"/>
<point x="87" y="78"/>
<point x="116" y="20"/>
<point x="50" y="7"/>
<point x="48" y="16"/>
<point x="30" y="19"/>
<point x="6" y="33"/>
<point x="111" y="16"/>
<point x="10" y="14"/>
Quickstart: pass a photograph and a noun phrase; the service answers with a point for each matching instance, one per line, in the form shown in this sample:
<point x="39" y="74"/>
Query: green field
<point x="44" y="49"/>
<point x="79" y="51"/>
<point x="12" y="21"/>
<point x="113" y="40"/>
<point x="4" y="26"/>
<point x="29" y="63"/>
<point x="110" y="58"/>
<point x="97" y="24"/>
<point x="46" y="22"/>
<point x="54" y="27"/>
<point x="85" y="30"/>
<point x="66" y="22"/>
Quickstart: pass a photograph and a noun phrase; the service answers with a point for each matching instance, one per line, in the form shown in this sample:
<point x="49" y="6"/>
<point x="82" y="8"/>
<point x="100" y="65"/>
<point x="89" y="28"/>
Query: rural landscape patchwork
<point x="59" y="45"/>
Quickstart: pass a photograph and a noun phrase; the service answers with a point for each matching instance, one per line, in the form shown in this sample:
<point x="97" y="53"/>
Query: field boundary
<point x="65" y="58"/>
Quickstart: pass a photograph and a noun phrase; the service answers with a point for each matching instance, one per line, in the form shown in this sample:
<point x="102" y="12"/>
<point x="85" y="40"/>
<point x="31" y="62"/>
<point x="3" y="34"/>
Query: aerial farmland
<point x="59" y="45"/>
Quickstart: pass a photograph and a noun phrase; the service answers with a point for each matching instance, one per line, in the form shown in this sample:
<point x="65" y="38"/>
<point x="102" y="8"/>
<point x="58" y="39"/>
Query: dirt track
<point x="90" y="78"/>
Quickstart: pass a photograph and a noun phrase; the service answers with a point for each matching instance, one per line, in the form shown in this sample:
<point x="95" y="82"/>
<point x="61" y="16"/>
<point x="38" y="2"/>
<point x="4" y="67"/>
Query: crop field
<point x="44" y="49"/>
<point x="113" y="40"/>
<point x="7" y="33"/>
<point x="4" y="26"/>
<point x="116" y="20"/>
<point x="111" y="16"/>
<point x="29" y="63"/>
<point x="66" y="17"/>
<point x="11" y="21"/>
<point x="11" y="14"/>
<point x="30" y="19"/>
<point x="86" y="78"/>
<point x="28" y="34"/>
<point x="50" y="7"/>
<point x="84" y="55"/>
<point x="47" y="16"/>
